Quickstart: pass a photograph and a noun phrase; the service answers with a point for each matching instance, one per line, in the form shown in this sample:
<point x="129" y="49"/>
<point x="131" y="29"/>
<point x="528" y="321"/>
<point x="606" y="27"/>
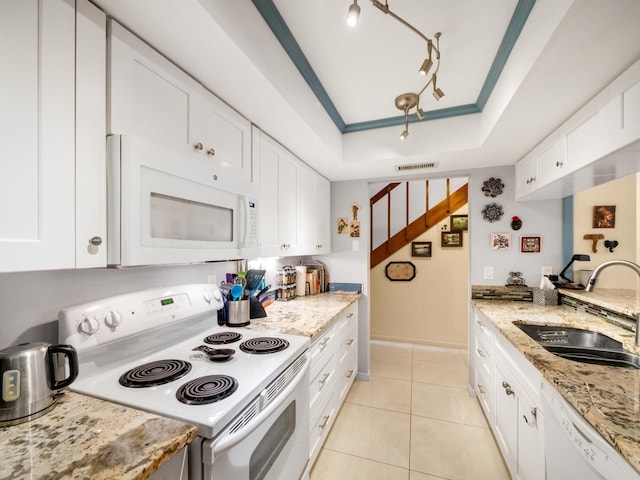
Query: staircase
<point x="412" y="229"/>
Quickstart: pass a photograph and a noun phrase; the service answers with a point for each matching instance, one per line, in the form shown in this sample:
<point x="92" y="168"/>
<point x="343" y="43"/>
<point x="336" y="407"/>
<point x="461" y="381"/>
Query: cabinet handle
<point x="481" y="353"/>
<point x="349" y="342"/>
<point x="95" y="241"/>
<point x="324" y="342"/>
<point x="325" y="377"/>
<point x="507" y="388"/>
<point x="534" y="412"/>
<point x="349" y="315"/>
<point x="481" y="389"/>
<point x="349" y="373"/>
<point x="559" y="163"/>
<point x="326" y="420"/>
<point x="531" y="180"/>
<point x="198" y="146"/>
<point x="211" y="152"/>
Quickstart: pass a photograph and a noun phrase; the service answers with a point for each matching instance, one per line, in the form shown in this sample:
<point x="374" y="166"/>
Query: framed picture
<point x="420" y="249"/>
<point x="343" y="226"/>
<point x="530" y="244"/>
<point x="500" y="241"/>
<point x="604" y="216"/>
<point x="452" y="238"/>
<point x="400" y="271"/>
<point x="459" y="222"/>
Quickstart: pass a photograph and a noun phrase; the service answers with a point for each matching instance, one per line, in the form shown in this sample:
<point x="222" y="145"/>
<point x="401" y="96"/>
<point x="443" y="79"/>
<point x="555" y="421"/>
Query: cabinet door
<point x="37" y="140"/>
<point x="322" y="213"/>
<point x="306" y="204"/>
<point x="551" y="160"/>
<point x="267" y="153"/>
<point x="506" y="420"/>
<point x="225" y="136"/>
<point x="91" y="129"/>
<point x="530" y="439"/>
<point x="526" y="175"/>
<point x="287" y="208"/>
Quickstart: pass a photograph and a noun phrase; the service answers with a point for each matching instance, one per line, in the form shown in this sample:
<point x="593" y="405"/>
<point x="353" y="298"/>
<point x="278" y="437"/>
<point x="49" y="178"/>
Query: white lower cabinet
<point x="334" y="365"/>
<point x="509" y="391"/>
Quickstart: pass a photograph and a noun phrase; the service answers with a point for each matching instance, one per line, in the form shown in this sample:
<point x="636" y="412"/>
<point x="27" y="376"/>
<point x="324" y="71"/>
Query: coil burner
<point x="208" y="389"/>
<point x="155" y="373"/>
<point x="262" y="345"/>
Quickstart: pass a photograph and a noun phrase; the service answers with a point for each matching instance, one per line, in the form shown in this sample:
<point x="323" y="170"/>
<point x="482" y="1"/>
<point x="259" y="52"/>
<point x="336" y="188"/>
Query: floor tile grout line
<point x="367" y="459"/>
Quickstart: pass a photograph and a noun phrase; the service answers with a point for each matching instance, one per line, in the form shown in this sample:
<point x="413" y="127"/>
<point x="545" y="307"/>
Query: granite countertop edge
<point x="607" y="397"/>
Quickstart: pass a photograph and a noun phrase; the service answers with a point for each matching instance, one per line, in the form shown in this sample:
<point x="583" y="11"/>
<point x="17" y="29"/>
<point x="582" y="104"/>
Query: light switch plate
<point x="488" y="272"/>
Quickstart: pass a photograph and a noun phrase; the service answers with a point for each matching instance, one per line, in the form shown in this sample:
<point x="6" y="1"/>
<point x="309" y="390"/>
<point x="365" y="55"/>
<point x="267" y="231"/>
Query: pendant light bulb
<point x="404" y="134"/>
<point x="353" y="14"/>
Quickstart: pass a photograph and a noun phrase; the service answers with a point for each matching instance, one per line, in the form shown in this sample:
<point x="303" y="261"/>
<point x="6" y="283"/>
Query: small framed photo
<point x="420" y="249"/>
<point x="459" y="222"/>
<point x="343" y="226"/>
<point x="530" y="244"/>
<point x="452" y="238"/>
<point x="501" y="241"/>
<point x="604" y="216"/>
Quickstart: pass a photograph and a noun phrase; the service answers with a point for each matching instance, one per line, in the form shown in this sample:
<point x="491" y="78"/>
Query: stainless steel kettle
<point x="30" y="375"/>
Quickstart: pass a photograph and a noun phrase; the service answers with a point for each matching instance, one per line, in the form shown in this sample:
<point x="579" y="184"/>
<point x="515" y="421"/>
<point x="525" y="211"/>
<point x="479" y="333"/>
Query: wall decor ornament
<point x="420" y="249"/>
<point x="530" y="244"/>
<point x="492" y="212"/>
<point x="515" y="280"/>
<point x="500" y="241"/>
<point x="604" y="216"/>
<point x="459" y="222"/>
<point x="492" y="187"/>
<point x="451" y="239"/>
<point x="516" y="223"/>
<point x="400" y="271"/>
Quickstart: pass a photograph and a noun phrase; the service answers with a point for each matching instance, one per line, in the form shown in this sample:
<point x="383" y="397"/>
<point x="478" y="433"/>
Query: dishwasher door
<point x="574" y="450"/>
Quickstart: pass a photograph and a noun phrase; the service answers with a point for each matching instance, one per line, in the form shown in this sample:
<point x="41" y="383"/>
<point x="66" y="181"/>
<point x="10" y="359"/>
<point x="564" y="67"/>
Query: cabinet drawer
<point x="346" y="375"/>
<point x="321" y="383"/>
<point x="483" y="355"/>
<point x="347" y="343"/>
<point x="321" y="349"/>
<point x="484" y="388"/>
<point x="319" y="427"/>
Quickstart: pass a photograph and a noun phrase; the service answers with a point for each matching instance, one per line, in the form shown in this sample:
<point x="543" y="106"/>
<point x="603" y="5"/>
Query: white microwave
<point x="166" y="207"/>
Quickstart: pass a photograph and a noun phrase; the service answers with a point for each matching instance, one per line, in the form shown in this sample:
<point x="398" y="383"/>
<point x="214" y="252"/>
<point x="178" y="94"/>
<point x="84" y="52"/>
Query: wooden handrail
<point x="432" y="216"/>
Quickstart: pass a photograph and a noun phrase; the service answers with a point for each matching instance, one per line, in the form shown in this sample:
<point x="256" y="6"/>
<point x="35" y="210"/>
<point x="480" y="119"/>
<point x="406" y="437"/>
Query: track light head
<point x="438" y="94"/>
<point x="419" y="113"/>
<point x="353" y="14"/>
<point x="425" y="67"/>
<point x="404" y="134"/>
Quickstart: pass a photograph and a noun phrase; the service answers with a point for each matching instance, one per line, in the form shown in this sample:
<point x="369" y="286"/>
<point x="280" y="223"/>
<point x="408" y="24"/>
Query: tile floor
<point x="413" y="420"/>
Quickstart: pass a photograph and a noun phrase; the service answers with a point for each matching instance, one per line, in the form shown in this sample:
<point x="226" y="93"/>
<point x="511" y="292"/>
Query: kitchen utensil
<point x="262" y="292"/>
<point x="217" y="354"/>
<point x="30" y="378"/>
<point x="254" y="277"/>
<point x="236" y="292"/>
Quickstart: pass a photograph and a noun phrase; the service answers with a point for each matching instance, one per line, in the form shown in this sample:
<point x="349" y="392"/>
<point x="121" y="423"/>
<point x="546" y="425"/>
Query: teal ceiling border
<point x="276" y="23"/>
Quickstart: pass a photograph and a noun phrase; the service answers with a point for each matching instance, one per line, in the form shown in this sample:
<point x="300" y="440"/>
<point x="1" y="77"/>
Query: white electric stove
<point x="163" y="351"/>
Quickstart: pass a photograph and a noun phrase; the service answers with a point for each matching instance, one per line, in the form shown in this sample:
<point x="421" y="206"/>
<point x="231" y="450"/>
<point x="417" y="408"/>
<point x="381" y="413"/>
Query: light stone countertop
<point x="86" y="438"/>
<point x="308" y="315"/>
<point x="607" y="397"/>
<point x="622" y="301"/>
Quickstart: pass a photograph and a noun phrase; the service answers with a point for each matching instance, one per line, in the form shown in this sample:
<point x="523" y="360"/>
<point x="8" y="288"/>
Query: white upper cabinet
<point x="594" y="146"/>
<point x="38" y="187"/>
<point x="153" y="98"/>
<point x="294" y="202"/>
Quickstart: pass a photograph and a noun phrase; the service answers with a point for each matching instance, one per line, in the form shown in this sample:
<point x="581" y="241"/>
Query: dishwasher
<point x="574" y="449"/>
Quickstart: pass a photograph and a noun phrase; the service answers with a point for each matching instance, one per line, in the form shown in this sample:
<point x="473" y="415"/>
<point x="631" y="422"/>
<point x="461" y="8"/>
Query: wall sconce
<point x="408" y="103"/>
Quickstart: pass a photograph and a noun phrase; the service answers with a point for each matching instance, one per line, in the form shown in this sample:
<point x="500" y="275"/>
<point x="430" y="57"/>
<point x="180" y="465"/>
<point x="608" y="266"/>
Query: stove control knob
<point x="88" y="326"/>
<point x="216" y="294"/>
<point x="207" y="296"/>
<point x="112" y="319"/>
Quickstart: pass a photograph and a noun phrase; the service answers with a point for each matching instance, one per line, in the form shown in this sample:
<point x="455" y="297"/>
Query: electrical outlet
<point x="488" y="272"/>
<point x="547" y="270"/>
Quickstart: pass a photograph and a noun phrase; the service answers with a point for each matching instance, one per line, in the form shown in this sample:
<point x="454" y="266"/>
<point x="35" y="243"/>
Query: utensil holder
<point x="238" y="313"/>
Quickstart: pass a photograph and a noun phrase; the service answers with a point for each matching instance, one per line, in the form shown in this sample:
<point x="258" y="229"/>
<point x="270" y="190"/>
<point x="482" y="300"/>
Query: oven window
<point x="180" y="219"/>
<point x="272" y="443"/>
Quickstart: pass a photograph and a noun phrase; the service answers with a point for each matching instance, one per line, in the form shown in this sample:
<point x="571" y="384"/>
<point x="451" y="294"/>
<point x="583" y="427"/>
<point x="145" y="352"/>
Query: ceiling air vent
<point x="416" y="166"/>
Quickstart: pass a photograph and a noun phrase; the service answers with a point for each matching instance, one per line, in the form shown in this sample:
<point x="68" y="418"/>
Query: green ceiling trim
<point x="276" y="23"/>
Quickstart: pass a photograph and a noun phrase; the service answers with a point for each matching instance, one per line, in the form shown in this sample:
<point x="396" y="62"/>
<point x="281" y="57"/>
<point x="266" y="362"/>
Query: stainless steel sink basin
<point x="581" y="345"/>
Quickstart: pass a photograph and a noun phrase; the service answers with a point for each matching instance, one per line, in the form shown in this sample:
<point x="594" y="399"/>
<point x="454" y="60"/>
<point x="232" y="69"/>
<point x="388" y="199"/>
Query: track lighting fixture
<point x="353" y="14"/>
<point x="408" y="101"/>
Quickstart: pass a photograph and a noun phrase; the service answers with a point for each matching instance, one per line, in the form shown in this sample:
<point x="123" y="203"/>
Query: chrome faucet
<point x="594" y="277"/>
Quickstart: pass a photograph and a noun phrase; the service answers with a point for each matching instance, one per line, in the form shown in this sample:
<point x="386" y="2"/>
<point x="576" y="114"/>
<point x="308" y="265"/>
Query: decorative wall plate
<point x="400" y="271"/>
<point x="492" y="212"/>
<point x="492" y="187"/>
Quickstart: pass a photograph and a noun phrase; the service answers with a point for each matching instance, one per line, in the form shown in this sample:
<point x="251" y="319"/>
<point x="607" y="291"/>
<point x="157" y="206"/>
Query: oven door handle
<point x="225" y="442"/>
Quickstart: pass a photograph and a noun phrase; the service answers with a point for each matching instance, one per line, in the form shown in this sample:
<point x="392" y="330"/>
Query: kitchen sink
<point x="581" y="345"/>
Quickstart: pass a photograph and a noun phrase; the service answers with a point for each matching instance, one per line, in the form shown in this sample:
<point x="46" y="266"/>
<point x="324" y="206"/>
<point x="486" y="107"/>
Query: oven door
<point x="165" y="207"/>
<point x="274" y="445"/>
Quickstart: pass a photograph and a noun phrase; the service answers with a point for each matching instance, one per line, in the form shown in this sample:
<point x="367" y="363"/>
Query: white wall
<point x="30" y="301"/>
<point x="349" y="259"/>
<point x="539" y="218"/>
